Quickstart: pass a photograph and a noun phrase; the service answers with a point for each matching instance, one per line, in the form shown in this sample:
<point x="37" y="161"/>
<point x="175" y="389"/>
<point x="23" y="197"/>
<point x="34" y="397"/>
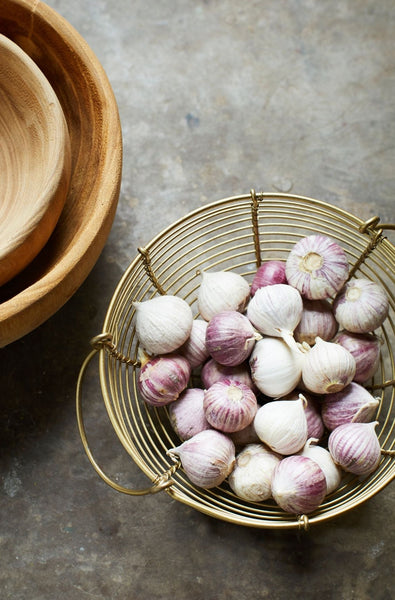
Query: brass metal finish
<point x="237" y="233"/>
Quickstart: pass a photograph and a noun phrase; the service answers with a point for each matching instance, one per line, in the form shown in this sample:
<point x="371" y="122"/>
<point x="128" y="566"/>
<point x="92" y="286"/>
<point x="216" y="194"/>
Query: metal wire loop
<point x="105" y="340"/>
<point x="303" y="522"/>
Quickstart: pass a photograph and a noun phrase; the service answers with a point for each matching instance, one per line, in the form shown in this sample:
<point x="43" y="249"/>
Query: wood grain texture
<point x="35" y="160"/>
<point x="91" y="113"/>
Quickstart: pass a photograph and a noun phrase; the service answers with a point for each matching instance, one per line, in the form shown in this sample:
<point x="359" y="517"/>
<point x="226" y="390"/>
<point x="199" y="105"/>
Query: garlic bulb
<point x="212" y="372"/>
<point x="162" y="379"/>
<point x="355" y="447"/>
<point x="269" y="273"/>
<point x="251" y="478"/>
<point x="365" y="348"/>
<point x="222" y="290"/>
<point x="230" y="338"/>
<point x="275" y="310"/>
<point x="275" y="368"/>
<point x="186" y="414"/>
<point x="317" y="267"/>
<point x="194" y="349"/>
<point x="298" y="484"/>
<point x="361" y="306"/>
<point x="207" y="458"/>
<point x="229" y="405"/>
<point x="327" y="368"/>
<point x="317" y="320"/>
<point x="322" y="457"/>
<point x="245" y="436"/>
<point x="282" y="425"/>
<point x="352" y="404"/>
<point x="163" y="323"/>
<point x="315" y="425"/>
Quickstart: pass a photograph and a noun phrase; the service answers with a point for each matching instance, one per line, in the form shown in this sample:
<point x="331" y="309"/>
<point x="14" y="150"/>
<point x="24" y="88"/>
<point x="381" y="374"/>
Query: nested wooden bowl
<point x="91" y="113"/>
<point x="35" y="159"/>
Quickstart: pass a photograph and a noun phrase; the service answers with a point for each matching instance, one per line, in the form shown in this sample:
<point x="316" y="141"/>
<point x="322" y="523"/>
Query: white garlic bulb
<point x="275" y="367"/>
<point x="222" y="290"/>
<point x="327" y="368"/>
<point x="317" y="266"/>
<point x="251" y="477"/>
<point x="194" y="349"/>
<point x="361" y="306"/>
<point x="298" y="484"/>
<point x="355" y="447"/>
<point x="207" y="458"/>
<point x="275" y="310"/>
<point x="282" y="425"/>
<point x="163" y="323"/>
<point x="322" y="457"/>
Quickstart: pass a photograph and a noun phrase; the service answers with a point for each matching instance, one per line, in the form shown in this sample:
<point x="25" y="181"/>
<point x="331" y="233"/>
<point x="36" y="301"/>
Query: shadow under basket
<point x="239" y="234"/>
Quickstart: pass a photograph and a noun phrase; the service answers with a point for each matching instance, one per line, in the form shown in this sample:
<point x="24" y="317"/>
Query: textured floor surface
<point x="215" y="97"/>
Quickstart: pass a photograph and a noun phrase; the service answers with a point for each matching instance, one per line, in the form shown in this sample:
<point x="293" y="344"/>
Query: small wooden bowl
<point x="91" y="113"/>
<point x="35" y="159"/>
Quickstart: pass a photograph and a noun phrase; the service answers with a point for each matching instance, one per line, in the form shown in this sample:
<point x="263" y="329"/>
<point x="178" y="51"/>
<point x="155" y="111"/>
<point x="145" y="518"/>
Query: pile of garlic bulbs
<point x="281" y="411"/>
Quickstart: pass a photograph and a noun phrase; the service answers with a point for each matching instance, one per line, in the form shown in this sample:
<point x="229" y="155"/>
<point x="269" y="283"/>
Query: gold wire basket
<point x="237" y="233"/>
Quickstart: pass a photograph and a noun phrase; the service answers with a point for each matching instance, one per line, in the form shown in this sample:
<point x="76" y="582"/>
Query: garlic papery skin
<point x="282" y="425"/>
<point x="352" y="404"/>
<point x="222" y="290"/>
<point x="275" y="368"/>
<point x="327" y="368"/>
<point x="186" y="414"/>
<point x="229" y="405"/>
<point x="194" y="349"/>
<point x="355" y="447"/>
<point x="212" y="372"/>
<point x="163" y="323"/>
<point x="230" y="338"/>
<point x="207" y="458"/>
<point x="361" y="306"/>
<point x="251" y="479"/>
<point x="322" y="457"/>
<point x="162" y="379"/>
<point x="275" y="310"/>
<point x="317" y="320"/>
<point x="269" y="273"/>
<point x="298" y="484"/>
<point x="245" y="436"/>
<point x="315" y="425"/>
<point x="317" y="266"/>
<point x="365" y="348"/>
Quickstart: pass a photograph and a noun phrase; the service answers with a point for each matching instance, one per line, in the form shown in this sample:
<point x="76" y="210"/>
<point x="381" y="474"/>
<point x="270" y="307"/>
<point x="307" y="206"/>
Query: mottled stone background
<point x="215" y="97"/>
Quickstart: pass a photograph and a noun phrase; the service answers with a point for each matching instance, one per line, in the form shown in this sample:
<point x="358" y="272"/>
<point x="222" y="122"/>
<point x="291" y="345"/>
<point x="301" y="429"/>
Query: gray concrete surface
<point x="215" y="97"/>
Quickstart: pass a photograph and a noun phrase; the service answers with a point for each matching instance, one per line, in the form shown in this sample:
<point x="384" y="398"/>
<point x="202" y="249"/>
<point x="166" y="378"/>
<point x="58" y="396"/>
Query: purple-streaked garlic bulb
<point x="207" y="458"/>
<point x="312" y="409"/>
<point x="361" y="306"/>
<point x="229" y="405"/>
<point x="275" y="367"/>
<point x="186" y="414"/>
<point x="269" y="273"/>
<point x="251" y="479"/>
<point x="212" y="372"/>
<point x="222" y="290"/>
<point x="322" y="457"/>
<point x="355" y="447"/>
<point x="162" y="379"/>
<point x="194" y="349"/>
<point x="163" y="323"/>
<point x="317" y="266"/>
<point x="327" y="368"/>
<point x="282" y="425"/>
<point x="365" y="348"/>
<point x="352" y="404"/>
<point x="275" y="310"/>
<point x="230" y="338"/>
<point x="317" y="320"/>
<point x="298" y="484"/>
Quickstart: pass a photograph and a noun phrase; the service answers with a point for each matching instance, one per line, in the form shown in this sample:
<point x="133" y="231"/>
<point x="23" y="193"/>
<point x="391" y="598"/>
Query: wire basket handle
<point x="162" y="481"/>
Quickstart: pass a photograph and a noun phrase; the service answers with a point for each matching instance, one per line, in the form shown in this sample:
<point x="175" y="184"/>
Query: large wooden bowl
<point x="91" y="113"/>
<point x="35" y="159"/>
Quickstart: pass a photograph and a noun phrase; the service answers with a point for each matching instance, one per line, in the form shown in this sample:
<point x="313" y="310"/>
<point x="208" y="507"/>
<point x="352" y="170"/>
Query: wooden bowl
<point x="91" y="113"/>
<point x="35" y="159"/>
